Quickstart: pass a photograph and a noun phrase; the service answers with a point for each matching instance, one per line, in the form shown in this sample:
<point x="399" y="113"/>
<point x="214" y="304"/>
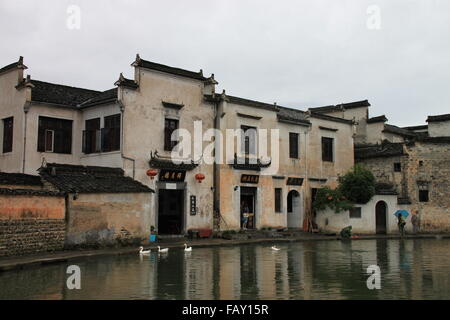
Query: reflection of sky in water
<point x="410" y="269"/>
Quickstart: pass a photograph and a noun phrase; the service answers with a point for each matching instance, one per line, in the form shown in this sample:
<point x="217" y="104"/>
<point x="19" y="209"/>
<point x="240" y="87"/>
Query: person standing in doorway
<point x="244" y="211"/>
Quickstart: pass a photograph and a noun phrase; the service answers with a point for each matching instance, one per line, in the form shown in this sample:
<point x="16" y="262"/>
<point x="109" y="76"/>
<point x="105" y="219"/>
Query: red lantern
<point x="152" y="173"/>
<point x="200" y="177"/>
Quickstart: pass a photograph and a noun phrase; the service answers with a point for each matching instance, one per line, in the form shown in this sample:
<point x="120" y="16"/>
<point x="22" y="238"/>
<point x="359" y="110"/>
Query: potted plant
<point x="153" y="234"/>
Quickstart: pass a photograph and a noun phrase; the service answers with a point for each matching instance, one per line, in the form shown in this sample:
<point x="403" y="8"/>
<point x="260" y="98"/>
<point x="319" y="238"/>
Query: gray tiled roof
<point x="386" y="149"/>
<point x="441" y="117"/>
<point x="171" y="70"/>
<point x="381" y="118"/>
<point x="399" y="131"/>
<point x="104" y="97"/>
<point x="90" y="179"/>
<point x="19" y="179"/>
<point x="339" y="107"/>
<point x="59" y="94"/>
<point x="294" y="115"/>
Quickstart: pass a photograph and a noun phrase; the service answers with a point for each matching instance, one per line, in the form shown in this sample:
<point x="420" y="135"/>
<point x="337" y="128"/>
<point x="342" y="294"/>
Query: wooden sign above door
<point x="172" y="175"/>
<point x="249" y="178"/>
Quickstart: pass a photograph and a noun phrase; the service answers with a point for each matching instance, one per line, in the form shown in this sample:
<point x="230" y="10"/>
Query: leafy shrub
<point x="331" y="198"/>
<point x="357" y="185"/>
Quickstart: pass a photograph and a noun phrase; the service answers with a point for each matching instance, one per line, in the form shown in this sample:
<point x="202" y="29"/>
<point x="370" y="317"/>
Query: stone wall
<point x="24" y="236"/>
<point x="31" y="222"/>
<point x="424" y="164"/>
<point x="429" y="163"/>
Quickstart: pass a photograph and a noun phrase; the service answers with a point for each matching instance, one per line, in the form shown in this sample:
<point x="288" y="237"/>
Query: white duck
<point x="275" y="248"/>
<point x="163" y="250"/>
<point x="186" y="248"/>
<point x="142" y="251"/>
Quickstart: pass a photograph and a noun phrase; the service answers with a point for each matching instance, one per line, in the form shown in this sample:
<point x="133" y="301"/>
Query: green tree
<point x="357" y="185"/>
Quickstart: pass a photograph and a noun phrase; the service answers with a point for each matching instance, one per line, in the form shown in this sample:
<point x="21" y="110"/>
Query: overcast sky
<point x="299" y="54"/>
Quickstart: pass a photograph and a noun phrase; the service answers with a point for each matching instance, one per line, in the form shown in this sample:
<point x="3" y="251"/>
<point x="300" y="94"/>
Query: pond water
<point x="410" y="269"/>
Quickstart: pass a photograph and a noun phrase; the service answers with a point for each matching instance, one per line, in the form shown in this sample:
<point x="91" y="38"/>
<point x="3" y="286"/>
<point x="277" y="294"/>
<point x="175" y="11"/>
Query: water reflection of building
<point x="198" y="274"/>
<point x="229" y="273"/>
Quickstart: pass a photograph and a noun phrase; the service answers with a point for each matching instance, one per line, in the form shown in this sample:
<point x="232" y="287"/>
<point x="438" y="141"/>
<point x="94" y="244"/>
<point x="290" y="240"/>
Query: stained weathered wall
<point x="424" y="163"/>
<point x="429" y="163"/>
<point x="144" y="118"/>
<point x="108" y="219"/>
<point x="31" y="223"/>
<point x="439" y="128"/>
<point x="12" y="102"/>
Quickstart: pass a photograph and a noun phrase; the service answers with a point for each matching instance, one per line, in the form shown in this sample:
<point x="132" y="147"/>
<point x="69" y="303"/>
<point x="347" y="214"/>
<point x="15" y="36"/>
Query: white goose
<point x="275" y="248"/>
<point x="142" y="251"/>
<point x="186" y="248"/>
<point x="165" y="250"/>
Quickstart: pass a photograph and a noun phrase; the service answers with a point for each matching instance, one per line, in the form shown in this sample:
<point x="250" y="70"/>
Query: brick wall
<point x="23" y="236"/>
<point x="31" y="222"/>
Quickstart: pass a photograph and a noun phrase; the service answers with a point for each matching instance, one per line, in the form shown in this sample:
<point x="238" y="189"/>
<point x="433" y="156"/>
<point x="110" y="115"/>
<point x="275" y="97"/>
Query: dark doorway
<point x="170" y="211"/>
<point x="380" y="217"/>
<point x="248" y="212"/>
<point x="294" y="216"/>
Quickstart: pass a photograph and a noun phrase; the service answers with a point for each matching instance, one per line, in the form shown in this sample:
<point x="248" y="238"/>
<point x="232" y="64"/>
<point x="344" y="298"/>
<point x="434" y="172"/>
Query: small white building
<point x="375" y="217"/>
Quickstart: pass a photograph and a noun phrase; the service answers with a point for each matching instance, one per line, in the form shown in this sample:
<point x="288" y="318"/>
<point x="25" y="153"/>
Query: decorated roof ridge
<point x="18" y="64"/>
<point x="168" y="69"/>
<point x="160" y="162"/>
<point x="126" y="82"/>
<point x="440" y="117"/>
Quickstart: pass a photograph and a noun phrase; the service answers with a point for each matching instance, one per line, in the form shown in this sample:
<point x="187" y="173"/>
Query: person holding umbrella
<point x="401" y="216"/>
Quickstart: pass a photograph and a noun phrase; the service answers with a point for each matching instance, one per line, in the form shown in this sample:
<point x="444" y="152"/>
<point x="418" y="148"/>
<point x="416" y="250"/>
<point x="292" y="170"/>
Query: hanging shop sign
<point x="291" y="181"/>
<point x="249" y="178"/>
<point x="166" y="175"/>
<point x="193" y="204"/>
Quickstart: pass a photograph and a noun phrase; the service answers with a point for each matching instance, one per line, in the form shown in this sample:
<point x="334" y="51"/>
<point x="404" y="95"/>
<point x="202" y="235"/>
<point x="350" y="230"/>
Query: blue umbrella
<point x="401" y="212"/>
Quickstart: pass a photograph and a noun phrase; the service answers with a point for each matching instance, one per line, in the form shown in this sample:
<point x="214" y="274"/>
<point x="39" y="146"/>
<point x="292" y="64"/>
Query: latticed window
<point x="54" y="135"/>
<point x="111" y="133"/>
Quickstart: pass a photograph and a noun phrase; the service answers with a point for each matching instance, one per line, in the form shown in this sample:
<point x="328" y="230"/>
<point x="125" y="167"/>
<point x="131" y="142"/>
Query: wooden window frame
<point x="61" y="135"/>
<point x="327" y="149"/>
<point x="294" y="146"/>
<point x="8" y="134"/>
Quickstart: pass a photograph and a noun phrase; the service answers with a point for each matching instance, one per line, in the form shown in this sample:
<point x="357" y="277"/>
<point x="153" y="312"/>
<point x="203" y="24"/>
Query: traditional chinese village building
<point x="129" y="127"/>
<point x="412" y="162"/>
